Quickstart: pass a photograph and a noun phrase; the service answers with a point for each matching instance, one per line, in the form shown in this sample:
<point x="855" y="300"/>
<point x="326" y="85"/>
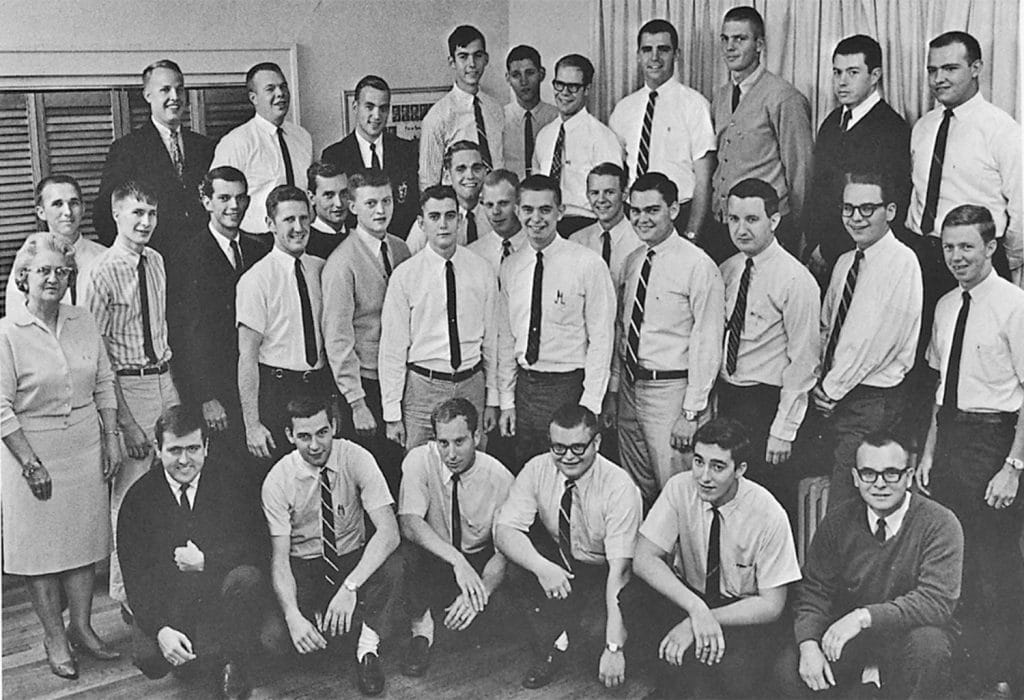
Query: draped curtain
<point x="800" y="36"/>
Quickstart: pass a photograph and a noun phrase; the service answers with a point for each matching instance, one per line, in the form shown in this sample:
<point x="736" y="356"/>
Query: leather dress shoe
<point x="417" y="658"/>
<point x="545" y="670"/>
<point x="62" y="669"/>
<point x="370" y="675"/>
<point x="100" y="653"/>
<point x="233" y="683"/>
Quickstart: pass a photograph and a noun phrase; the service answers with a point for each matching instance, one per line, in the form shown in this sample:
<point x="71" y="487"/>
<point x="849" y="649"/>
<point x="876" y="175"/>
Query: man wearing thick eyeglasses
<point x="587" y="512"/>
<point x="881" y="582"/>
<point x="870" y="320"/>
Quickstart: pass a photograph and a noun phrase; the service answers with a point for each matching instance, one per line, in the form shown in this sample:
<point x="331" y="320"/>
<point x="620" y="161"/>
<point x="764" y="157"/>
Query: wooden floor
<point x="490" y="667"/>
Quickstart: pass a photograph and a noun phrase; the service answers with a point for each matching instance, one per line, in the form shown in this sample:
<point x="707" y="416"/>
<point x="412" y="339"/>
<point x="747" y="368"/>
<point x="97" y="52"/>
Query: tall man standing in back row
<point x="665" y="126"/>
<point x="525" y="115"/>
<point x="465" y="113"/>
<point x="764" y="131"/>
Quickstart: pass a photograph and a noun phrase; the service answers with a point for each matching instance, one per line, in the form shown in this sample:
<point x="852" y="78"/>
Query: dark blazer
<point x="401" y="163"/>
<point x="206" y="354"/>
<point x="226" y="524"/>
<point x="141" y="155"/>
<point x="879" y="142"/>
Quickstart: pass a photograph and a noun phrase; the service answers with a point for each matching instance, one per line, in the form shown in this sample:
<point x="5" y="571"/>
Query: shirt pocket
<point x="565" y="304"/>
<point x="994" y="363"/>
<point x="761" y="316"/>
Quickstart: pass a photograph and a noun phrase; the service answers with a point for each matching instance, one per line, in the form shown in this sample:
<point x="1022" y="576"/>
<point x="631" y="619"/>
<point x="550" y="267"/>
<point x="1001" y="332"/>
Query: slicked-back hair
<point x="523" y="52"/>
<point x="367" y="177"/>
<point x="496" y="177"/>
<point x="179" y="421"/>
<point x="541" y="183"/>
<point x="325" y="169"/>
<point x="881" y="179"/>
<point x="972" y="215"/>
<point x="860" y="44"/>
<point x="659" y="26"/>
<point x="304" y="405"/>
<point x="372" y="81"/>
<point x="654" y="180"/>
<point x="969" y="43"/>
<point x="138" y="189"/>
<point x="728" y="434"/>
<point x="439" y="193"/>
<point x="266" y="65"/>
<point x="447" y="411"/>
<point x="56" y="179"/>
<point x="572" y="415"/>
<point x="753" y="187"/>
<point x="226" y="173"/>
<point x="575" y="60"/>
<point x="883" y="437"/>
<point x="34" y="243"/>
<point x="612" y="169"/>
<point x="464" y="35"/>
<point x="457" y="147"/>
<point x="284" y="193"/>
<point x="744" y="13"/>
<point x="162" y="63"/>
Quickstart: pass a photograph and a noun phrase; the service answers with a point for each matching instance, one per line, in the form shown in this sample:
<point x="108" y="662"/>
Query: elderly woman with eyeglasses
<point x="60" y="447"/>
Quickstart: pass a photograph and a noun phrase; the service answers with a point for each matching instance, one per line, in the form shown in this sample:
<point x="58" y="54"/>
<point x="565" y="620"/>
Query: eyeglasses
<point x="579" y="449"/>
<point x="571" y="88"/>
<point x="45" y="271"/>
<point x="866" y="210"/>
<point x="889" y="476"/>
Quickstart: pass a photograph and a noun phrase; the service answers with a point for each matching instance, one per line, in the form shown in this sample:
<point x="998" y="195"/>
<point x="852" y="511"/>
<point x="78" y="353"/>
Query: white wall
<point x="555" y="28"/>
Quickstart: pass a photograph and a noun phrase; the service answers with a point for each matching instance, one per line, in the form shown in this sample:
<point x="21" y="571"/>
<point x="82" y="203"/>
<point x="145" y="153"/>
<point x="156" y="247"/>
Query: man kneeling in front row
<point x="881" y="582"/>
<point x="328" y="577"/>
<point x="450" y="493"/>
<point x="715" y="601"/>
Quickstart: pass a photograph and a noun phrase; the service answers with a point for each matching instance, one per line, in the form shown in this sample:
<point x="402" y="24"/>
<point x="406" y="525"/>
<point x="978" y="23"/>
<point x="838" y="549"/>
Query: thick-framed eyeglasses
<point x="866" y="210"/>
<point x="45" y="271"/>
<point x="571" y="88"/>
<point x="889" y="476"/>
<point x="579" y="449"/>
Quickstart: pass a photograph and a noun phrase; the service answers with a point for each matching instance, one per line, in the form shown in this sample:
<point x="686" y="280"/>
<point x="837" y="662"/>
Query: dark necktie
<point x="606" y="248"/>
<point x="147" y="328"/>
<point x="183" y="505"/>
<point x="289" y="175"/>
<point x="713" y="577"/>
<point x="931" y="199"/>
<point x="565" y="526"/>
<point x="74" y="293"/>
<point x="374" y="158"/>
<point x="454" y="348"/>
<point x="236" y="254"/>
<point x="950" y="392"/>
<point x="735" y="96"/>
<point x="471" y="232"/>
<point x="636" y="318"/>
<point x="481" y="132"/>
<point x="533" y="336"/>
<point x="556" y="158"/>
<point x="739" y="313"/>
<point x="308" y="329"/>
<point x="176" y="157"/>
<point x="844" y="307"/>
<point x="528" y="142"/>
<point x="643" y="158"/>
<point x="506" y="249"/>
<point x="880" y="530"/>
<point x="385" y="259"/>
<point x="456" y="514"/>
<point x="844" y="122"/>
<point x="328" y="538"/>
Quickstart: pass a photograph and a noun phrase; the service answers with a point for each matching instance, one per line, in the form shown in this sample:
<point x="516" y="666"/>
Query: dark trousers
<point x="277" y="388"/>
<point x="429" y="581"/>
<point x="915" y="664"/>
<point x="223" y="620"/>
<point x="742" y="672"/>
<point x="571" y="224"/>
<point x="538" y="396"/>
<point x="389" y="454"/>
<point x="969" y="451"/>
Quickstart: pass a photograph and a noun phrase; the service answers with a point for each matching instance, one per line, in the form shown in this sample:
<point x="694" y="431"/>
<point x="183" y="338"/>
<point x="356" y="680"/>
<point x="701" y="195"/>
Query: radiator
<point x="812" y="500"/>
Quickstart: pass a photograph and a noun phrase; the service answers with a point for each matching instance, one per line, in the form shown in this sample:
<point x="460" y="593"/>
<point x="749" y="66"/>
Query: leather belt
<point x="144" y="371"/>
<point x="305" y="376"/>
<point x="446" y="376"/>
<point x="639" y="373"/>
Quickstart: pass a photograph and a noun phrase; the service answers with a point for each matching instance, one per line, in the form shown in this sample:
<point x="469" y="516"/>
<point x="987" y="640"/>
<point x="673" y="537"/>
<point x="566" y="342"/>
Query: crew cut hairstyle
<point x="438" y="192"/>
<point x="880" y="179"/>
<point x="304" y="405"/>
<point x="541" y="183"/>
<point x="464" y="35"/>
<point x="372" y="81"/>
<point x="728" y="434"/>
<point x="321" y="168"/>
<point x="523" y="53"/>
<point x="863" y="44"/>
<point x="657" y="181"/>
<point x="447" y="411"/>
<point x="972" y="215"/>
<point x="496" y="177"/>
<point x="612" y="169"/>
<point x="744" y="13"/>
<point x="458" y="147"/>
<point x="266" y="65"/>
<point x="659" y="26"/>
<point x="753" y="187"/>
<point x="367" y="177"/>
<point x="575" y="60"/>
<point x="138" y="189"/>
<point x="572" y="415"/>
<point x="969" y="43"/>
<point x="284" y="193"/>
<point x="162" y="63"/>
<point x="179" y="421"/>
<point x="56" y="179"/>
<point x="227" y="173"/>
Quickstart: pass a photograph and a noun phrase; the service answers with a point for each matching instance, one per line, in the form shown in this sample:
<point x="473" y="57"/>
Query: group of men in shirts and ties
<point x="589" y="362"/>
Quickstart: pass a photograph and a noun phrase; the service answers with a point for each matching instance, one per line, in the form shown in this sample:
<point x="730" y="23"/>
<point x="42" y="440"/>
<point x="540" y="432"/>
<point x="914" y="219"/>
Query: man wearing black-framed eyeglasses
<point x="587" y="511"/>
<point x="881" y="582"/>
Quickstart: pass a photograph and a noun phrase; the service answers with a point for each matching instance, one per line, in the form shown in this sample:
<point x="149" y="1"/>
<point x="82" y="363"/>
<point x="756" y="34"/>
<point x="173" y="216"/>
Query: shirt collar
<point x="734" y="502"/>
<point x="518" y="239"/>
<point x="436" y="259"/>
<point x="749" y="81"/>
<point x="576" y="120"/>
<point x="282" y="258"/>
<point x="305" y="471"/>
<point x="124" y="251"/>
<point x="666" y="244"/>
<point x="618" y="231"/>
<point x="551" y="247"/>
<point x="461" y="95"/>
<point x="164" y="131"/>
<point x="176" y="485"/>
<point x="893" y="521"/>
<point x="879" y="247"/>
<point x="224" y="241"/>
<point x="324" y="227"/>
<point x="665" y="87"/>
<point x="983" y="288"/>
<point x="969" y="106"/>
<point x="369" y="240"/>
<point x="768" y="253"/>
<point x="268" y="126"/>
<point x="858" y="112"/>
<point x="363" y="141"/>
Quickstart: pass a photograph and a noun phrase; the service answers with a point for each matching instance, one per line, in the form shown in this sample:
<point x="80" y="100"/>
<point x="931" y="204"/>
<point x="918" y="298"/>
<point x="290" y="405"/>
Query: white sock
<point x="424" y="627"/>
<point x="368" y="642"/>
<point x="562" y="643"/>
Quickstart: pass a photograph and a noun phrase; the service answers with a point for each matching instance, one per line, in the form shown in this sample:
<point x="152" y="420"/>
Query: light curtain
<point x="800" y="36"/>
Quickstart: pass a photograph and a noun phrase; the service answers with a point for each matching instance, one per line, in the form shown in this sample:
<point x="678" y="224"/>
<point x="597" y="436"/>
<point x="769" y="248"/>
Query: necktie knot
<point x="967" y="297"/>
<point x="880" y="530"/>
<point x="947" y="113"/>
<point x="570" y="484"/>
<point x="650" y="255"/>
<point x="456" y="478"/>
<point x="749" y="264"/>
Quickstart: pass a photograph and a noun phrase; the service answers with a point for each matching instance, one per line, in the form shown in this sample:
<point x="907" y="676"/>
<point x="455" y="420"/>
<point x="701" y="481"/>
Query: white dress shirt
<point x="253" y="148"/>
<point x="490" y="247"/>
<point x="623" y="242"/>
<point x="166" y="135"/>
<point x="190" y="493"/>
<point x="893" y="521"/>
<point x="861" y="110"/>
<point x="452" y="119"/>
<point x="588" y="142"/>
<point x="364" y="148"/>
<point x="417" y="238"/>
<point x="224" y="243"/>
<point x="515" y="135"/>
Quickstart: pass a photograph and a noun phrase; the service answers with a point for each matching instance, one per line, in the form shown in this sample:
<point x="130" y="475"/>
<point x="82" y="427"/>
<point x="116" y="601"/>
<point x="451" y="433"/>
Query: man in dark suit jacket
<point x="370" y="146"/>
<point x="191" y="546"/>
<point x="171" y="159"/>
<point x="206" y="357"/>
<point x="863" y="134"/>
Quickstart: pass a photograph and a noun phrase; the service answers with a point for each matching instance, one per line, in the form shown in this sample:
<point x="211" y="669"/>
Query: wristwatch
<point x="690" y="415"/>
<point x="613" y="647"/>
<point x="1016" y="464"/>
<point x="30" y="467"/>
<point x="350" y="585"/>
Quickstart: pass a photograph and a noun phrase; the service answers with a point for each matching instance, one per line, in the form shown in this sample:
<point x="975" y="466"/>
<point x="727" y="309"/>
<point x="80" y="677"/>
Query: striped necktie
<point x="556" y="158"/>
<point x="328" y="538"/>
<point x="844" y="307"/>
<point x="636" y="318"/>
<point x="739" y="313"/>
<point x="643" y="158"/>
<point x="565" y="526"/>
<point x="481" y="132"/>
